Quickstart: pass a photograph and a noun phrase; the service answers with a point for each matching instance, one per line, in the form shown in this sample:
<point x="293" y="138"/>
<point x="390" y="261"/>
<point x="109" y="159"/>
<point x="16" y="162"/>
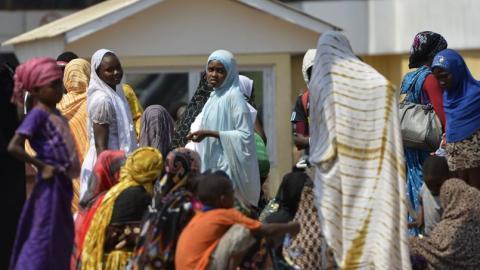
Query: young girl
<point x="45" y="232"/>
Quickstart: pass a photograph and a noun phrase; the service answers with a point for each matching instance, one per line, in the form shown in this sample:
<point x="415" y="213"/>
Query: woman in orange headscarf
<point x="73" y="106"/>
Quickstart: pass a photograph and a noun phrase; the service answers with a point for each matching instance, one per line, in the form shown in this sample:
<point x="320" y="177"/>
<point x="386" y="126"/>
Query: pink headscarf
<point x="36" y="72"/>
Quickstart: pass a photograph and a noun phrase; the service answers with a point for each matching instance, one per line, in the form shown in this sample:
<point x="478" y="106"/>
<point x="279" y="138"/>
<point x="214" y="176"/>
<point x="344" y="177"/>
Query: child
<point x="435" y="172"/>
<point x="201" y="236"/>
<point x="45" y="232"/>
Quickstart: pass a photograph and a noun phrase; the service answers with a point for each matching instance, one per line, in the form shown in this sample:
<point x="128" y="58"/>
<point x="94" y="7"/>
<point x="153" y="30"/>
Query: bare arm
<point x="274" y="230"/>
<point x="198" y="136"/>
<point x="16" y="148"/>
<point x="100" y="134"/>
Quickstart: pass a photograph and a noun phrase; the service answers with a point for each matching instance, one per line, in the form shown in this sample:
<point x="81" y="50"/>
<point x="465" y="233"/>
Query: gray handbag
<point x="420" y="126"/>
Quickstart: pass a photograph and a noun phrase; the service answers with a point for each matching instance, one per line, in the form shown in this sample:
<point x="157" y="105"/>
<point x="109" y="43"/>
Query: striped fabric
<point x="73" y="106"/>
<point x="357" y="154"/>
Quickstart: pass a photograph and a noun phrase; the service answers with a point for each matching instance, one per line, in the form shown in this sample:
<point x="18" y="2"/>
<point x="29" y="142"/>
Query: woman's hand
<point x="198" y="136"/>
<point x="48" y="172"/>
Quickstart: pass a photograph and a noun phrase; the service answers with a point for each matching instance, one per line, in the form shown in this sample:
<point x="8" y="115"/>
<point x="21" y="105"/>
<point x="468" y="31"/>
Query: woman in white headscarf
<point x="226" y="130"/>
<point x="110" y="124"/>
<point x="357" y="154"/>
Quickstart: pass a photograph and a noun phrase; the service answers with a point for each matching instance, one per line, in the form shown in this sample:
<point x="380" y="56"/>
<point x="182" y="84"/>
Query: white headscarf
<point x="308" y="61"/>
<point x="357" y="154"/>
<point x="126" y="131"/>
<point x="98" y="90"/>
<point x="246" y="85"/>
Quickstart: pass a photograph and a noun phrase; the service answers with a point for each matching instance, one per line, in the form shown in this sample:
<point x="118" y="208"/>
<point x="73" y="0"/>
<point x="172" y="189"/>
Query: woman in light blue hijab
<point x="227" y="131"/>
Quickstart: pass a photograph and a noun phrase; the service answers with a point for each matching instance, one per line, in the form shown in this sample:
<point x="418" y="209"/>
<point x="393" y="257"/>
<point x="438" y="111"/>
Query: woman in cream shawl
<point x="357" y="154"/>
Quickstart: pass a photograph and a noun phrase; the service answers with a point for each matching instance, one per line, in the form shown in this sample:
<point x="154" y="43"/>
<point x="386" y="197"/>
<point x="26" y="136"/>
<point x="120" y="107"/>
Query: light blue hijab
<point x="226" y="111"/>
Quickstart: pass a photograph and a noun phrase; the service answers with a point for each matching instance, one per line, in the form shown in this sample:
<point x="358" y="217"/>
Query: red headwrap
<point x="36" y="72"/>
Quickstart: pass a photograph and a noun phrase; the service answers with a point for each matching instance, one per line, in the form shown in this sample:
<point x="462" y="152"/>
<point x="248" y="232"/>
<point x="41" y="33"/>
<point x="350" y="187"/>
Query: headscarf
<point x="357" y="155"/>
<point x="142" y="167"/>
<point x="227" y="112"/>
<point x="455" y="241"/>
<point x="462" y="100"/>
<point x="36" y="72"/>
<point x="99" y="90"/>
<point x="74" y="104"/>
<point x="246" y="86"/>
<point x="105" y="175"/>
<point x="308" y="62"/>
<point x="424" y="47"/>
<point x="170" y="213"/>
<point x="181" y="163"/>
<point x="193" y="109"/>
<point x="157" y="129"/>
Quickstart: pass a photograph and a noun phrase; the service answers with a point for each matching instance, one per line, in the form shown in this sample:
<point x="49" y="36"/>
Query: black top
<point x="130" y="205"/>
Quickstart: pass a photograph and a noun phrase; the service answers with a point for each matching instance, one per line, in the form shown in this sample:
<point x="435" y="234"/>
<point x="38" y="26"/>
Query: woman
<point x="247" y="89"/>
<point x="462" y="106"/>
<point x="110" y="124"/>
<point x="45" y="232"/>
<point x="227" y="133"/>
<point x="173" y="207"/>
<point x="421" y="87"/>
<point x="193" y="109"/>
<point x="455" y="242"/>
<point x="357" y="156"/>
<point x="116" y="224"/>
<point x="105" y="175"/>
<point x="73" y="106"/>
<point x="157" y="129"/>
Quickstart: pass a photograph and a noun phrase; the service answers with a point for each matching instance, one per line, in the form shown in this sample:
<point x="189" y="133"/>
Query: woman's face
<point x="444" y="77"/>
<point x="51" y="93"/>
<point x="110" y="70"/>
<point x="216" y="73"/>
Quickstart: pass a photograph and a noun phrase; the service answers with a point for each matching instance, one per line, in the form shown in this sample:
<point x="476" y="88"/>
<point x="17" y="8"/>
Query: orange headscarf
<point x="74" y="104"/>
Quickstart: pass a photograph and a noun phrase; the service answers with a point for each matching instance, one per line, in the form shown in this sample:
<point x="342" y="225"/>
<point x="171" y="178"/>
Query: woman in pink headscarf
<point x="45" y="232"/>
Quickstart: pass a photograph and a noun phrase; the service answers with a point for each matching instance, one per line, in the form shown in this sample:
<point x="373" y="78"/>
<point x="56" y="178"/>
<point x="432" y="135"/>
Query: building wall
<point x="394" y="67"/>
<point x="388" y="26"/>
<point x="13" y="23"/>
<point x="182" y="27"/>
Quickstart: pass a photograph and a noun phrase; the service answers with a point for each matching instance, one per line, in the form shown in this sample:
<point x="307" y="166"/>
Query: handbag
<point x="420" y="126"/>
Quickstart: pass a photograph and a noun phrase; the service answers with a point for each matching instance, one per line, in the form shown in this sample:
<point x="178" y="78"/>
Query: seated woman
<point x="454" y="242"/>
<point x="105" y="175"/>
<point x="227" y="131"/>
<point x="461" y="100"/>
<point x="157" y="129"/>
<point x="172" y="208"/>
<point x="116" y="224"/>
<point x="110" y="124"/>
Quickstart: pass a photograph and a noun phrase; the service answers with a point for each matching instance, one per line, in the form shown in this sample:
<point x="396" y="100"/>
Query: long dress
<point x="412" y="88"/>
<point x="45" y="232"/>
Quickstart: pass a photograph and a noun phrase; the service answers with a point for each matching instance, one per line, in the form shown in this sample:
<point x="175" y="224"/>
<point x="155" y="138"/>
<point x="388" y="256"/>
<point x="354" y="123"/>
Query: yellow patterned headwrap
<point x="142" y="167"/>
